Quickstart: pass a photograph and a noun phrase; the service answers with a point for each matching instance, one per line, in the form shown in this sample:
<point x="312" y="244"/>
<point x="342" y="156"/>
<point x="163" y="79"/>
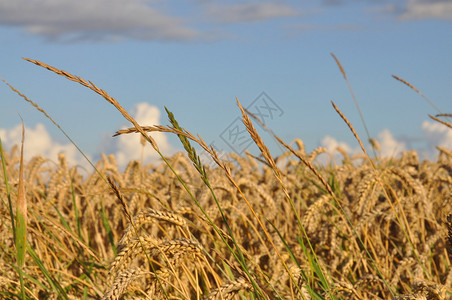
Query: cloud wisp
<point x="94" y="20"/>
<point x="404" y="10"/>
<point x="427" y="9"/>
<point x="117" y="20"/>
<point x="248" y="12"/>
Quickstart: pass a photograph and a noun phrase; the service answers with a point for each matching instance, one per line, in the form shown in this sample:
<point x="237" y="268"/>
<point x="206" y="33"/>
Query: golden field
<point x="249" y="227"/>
<point x="75" y="225"/>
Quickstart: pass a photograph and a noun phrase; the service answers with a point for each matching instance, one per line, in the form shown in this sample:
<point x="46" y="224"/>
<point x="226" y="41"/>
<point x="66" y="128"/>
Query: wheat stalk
<point x="148" y="216"/>
<point x="121" y="283"/>
<point x="173" y="248"/>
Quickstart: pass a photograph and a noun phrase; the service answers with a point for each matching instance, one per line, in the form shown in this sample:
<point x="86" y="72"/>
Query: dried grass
<point x="424" y="195"/>
<point x="378" y="228"/>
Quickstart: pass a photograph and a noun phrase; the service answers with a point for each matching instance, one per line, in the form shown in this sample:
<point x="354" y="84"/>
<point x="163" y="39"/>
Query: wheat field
<point x="250" y="227"/>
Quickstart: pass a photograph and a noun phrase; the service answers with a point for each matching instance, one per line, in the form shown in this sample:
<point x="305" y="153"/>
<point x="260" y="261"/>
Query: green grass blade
<point x="53" y="283"/>
<point x="21" y="218"/>
<point x="238" y="254"/>
<point x="311" y="291"/>
<point x="8" y="192"/>
<point x="107" y="226"/>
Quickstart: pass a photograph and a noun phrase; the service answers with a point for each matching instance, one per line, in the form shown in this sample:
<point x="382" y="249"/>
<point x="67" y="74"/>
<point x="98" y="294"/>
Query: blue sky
<point x="195" y="57"/>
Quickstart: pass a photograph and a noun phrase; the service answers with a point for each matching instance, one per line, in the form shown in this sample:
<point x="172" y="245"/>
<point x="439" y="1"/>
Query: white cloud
<point x="331" y="145"/>
<point x="128" y="147"/>
<point x="434" y="134"/>
<point x="390" y="146"/>
<point x="248" y="12"/>
<point x="67" y="20"/>
<point x="39" y="142"/>
<point x="427" y="9"/>
<point x="437" y="134"/>
<point x="125" y="147"/>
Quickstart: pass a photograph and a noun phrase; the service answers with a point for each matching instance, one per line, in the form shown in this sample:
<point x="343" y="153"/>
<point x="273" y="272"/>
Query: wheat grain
<point x="230" y="289"/>
<point x="148" y="216"/>
<point x="122" y="281"/>
<point x="173" y="248"/>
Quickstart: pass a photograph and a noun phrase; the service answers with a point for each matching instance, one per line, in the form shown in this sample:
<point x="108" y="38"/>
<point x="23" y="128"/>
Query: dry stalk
<point x="173" y="249"/>
<point x="101" y="92"/>
<point x="122" y="282"/>
<point x="229" y="290"/>
<point x="145" y="216"/>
